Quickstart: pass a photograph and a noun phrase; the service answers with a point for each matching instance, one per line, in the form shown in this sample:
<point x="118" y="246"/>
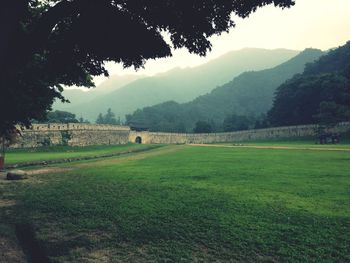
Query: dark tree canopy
<point x="236" y="123"/>
<point x="330" y="113"/>
<point x="108" y="118"/>
<point x="320" y="95"/>
<point x="202" y="127"/>
<point x="46" y="44"/>
<point x="61" y="117"/>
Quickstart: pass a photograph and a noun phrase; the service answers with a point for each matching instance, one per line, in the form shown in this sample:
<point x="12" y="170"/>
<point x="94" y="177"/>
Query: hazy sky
<point x="320" y="24"/>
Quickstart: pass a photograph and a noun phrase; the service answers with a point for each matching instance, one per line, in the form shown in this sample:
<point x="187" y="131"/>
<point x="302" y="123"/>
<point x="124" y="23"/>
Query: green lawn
<point x="63" y="152"/>
<point x="293" y="145"/>
<point x="192" y="204"/>
<point x="305" y="143"/>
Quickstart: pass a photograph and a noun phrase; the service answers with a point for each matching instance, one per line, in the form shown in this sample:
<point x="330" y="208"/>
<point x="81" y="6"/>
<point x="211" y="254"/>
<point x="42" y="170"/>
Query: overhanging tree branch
<point x="67" y="41"/>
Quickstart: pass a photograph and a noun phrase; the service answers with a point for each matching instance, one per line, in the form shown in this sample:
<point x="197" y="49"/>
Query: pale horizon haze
<point x="321" y="24"/>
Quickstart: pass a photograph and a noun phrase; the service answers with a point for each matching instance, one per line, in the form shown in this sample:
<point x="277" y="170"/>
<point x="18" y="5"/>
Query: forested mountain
<point x="180" y="85"/>
<point x="80" y="96"/>
<point x="320" y="95"/>
<point x="249" y="94"/>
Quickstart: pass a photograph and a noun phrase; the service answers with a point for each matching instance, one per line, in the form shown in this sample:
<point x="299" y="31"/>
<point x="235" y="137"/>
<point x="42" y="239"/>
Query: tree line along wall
<point x="90" y="134"/>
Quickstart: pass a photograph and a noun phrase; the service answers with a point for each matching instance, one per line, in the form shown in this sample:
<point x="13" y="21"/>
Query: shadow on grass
<point x="198" y="224"/>
<point x="33" y="249"/>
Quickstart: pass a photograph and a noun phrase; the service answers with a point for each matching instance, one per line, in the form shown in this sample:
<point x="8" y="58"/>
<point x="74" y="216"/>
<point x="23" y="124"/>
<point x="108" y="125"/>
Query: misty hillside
<point x="249" y="94"/>
<point x="78" y="96"/>
<point x="180" y="85"/>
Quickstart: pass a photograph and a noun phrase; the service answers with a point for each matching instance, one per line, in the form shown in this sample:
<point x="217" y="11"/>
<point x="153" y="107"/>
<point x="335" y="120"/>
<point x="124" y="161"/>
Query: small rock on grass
<point x="16" y="175"/>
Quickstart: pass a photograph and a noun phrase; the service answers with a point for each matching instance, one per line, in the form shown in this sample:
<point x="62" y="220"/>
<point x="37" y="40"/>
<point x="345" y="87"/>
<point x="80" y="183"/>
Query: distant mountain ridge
<point x="77" y="96"/>
<point x="251" y="93"/>
<point x="180" y="85"/>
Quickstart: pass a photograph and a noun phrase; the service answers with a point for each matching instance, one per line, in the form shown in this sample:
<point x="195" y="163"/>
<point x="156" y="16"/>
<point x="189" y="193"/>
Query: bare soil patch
<point x="135" y="156"/>
<point x="6" y="203"/>
<point x="46" y="170"/>
<point x="49" y="170"/>
<point x="10" y="251"/>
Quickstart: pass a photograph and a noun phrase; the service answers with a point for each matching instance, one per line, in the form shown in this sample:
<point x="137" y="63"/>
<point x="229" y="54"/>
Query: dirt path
<point x="48" y="170"/>
<point x="136" y="156"/>
<point x="75" y="159"/>
<point x="272" y="147"/>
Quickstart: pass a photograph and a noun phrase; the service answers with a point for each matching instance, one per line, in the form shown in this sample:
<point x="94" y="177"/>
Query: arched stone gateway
<point x="138" y="140"/>
<point x="139" y="137"/>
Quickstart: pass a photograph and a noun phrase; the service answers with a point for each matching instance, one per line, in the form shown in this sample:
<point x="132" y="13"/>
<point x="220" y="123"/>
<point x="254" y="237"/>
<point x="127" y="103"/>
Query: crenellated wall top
<point x="104" y="127"/>
<point x="76" y="126"/>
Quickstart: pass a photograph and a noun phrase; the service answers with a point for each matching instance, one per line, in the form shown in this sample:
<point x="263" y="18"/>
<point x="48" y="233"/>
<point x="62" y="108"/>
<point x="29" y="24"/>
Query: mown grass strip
<point x="83" y="158"/>
<point x="14" y="156"/>
<point x="275" y="147"/>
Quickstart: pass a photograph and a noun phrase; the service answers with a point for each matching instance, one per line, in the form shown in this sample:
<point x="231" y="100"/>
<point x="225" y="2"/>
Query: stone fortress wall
<point x="239" y="136"/>
<point x="73" y="134"/>
<point x="76" y="134"/>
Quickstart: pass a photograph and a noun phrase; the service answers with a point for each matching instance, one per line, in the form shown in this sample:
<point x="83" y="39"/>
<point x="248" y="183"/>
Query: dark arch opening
<point x="138" y="140"/>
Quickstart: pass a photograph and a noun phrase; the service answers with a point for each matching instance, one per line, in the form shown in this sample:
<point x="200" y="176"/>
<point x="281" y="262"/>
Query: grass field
<point x="190" y="204"/>
<point x="63" y="152"/>
<point x="296" y="142"/>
